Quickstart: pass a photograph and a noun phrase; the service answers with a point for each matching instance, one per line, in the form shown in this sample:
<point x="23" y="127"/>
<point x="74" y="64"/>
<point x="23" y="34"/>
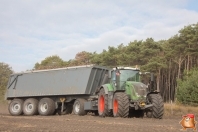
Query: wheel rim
<point x="44" y="107"/>
<point x="16" y="107"/>
<point x="115" y="106"/>
<point x="101" y="105"/>
<point x="77" y="107"/>
<point x="29" y="107"/>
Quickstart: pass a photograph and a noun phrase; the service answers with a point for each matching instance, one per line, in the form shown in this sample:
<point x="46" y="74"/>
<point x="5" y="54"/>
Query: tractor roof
<point x="126" y="68"/>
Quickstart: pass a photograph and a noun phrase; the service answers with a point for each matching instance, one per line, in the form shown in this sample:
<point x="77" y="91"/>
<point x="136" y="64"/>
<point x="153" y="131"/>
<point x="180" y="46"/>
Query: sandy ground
<point x="88" y="123"/>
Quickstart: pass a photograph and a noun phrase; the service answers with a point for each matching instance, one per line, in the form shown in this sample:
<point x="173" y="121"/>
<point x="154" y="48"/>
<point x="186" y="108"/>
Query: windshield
<point x="129" y="75"/>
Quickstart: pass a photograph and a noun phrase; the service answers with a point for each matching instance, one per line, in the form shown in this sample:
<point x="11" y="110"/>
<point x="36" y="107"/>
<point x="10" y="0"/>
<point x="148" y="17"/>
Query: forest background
<point x="174" y="62"/>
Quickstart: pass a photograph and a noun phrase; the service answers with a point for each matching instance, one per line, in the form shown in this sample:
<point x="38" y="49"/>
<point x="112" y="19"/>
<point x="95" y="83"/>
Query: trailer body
<point x="81" y="80"/>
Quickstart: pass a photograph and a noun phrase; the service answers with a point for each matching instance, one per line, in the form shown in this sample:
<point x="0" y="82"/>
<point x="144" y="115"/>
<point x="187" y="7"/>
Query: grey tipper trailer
<point x="63" y="90"/>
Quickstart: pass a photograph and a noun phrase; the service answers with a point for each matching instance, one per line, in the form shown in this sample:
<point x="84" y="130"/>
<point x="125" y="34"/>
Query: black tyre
<point x="78" y="107"/>
<point x="46" y="106"/>
<point x="67" y="110"/>
<point x="120" y="105"/>
<point x="103" y="103"/>
<point x="16" y="107"/>
<point x="30" y="107"/>
<point x="157" y="111"/>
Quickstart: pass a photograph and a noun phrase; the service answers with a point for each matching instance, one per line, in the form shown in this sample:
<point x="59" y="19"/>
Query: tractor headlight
<point x="142" y="104"/>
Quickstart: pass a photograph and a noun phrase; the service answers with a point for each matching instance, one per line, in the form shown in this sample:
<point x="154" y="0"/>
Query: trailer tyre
<point x="46" y="106"/>
<point x="78" y="107"/>
<point x="120" y="105"/>
<point x="16" y="107"/>
<point x="157" y="110"/>
<point x="30" y="107"/>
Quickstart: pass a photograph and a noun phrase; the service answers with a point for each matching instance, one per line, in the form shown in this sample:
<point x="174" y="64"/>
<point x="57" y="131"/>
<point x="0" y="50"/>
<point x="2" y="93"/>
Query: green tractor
<point x="124" y="95"/>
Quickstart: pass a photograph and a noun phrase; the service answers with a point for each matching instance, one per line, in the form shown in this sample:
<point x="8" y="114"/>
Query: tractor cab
<point x="120" y="75"/>
<point x="128" y="79"/>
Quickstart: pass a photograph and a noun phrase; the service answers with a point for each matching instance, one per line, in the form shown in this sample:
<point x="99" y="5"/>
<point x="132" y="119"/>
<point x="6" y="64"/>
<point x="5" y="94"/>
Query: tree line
<point x="172" y="60"/>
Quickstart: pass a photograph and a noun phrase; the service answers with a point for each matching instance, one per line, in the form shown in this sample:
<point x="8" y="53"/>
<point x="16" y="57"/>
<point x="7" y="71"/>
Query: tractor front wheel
<point x="157" y="110"/>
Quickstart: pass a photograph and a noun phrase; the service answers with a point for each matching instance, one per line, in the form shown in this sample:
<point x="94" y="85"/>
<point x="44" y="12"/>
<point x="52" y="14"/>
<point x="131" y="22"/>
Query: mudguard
<point x="107" y="88"/>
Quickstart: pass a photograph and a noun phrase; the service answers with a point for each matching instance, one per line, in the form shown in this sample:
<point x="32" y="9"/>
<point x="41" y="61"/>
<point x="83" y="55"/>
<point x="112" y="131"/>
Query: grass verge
<point x="171" y="110"/>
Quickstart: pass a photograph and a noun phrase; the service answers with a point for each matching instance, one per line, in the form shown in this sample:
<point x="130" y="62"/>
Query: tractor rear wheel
<point x="120" y="105"/>
<point x="102" y="103"/>
<point x="157" y="110"/>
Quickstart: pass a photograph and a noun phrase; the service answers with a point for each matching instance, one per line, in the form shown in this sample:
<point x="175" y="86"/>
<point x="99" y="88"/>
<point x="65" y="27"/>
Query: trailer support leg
<point x="62" y="101"/>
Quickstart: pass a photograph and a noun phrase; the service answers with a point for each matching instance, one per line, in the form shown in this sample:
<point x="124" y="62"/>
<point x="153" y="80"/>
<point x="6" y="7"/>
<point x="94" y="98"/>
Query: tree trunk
<point x="188" y="61"/>
<point x="169" y="81"/>
<point x="158" y="80"/>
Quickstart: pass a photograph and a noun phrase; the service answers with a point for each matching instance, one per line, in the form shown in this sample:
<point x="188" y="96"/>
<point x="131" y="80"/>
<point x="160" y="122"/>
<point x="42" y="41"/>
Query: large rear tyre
<point x="46" y="106"/>
<point x="157" y="111"/>
<point x="16" y="107"/>
<point x="103" y="104"/>
<point x="30" y="107"/>
<point x="78" y="107"/>
<point x="120" y="105"/>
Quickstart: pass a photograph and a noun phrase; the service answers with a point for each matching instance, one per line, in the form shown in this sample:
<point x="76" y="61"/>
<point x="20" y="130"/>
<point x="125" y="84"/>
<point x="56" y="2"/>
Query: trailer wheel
<point x="120" y="105"/>
<point x="16" y="107"/>
<point x="30" y="107"/>
<point x="102" y="103"/>
<point x="78" y="107"/>
<point x="157" y="110"/>
<point x="46" y="106"/>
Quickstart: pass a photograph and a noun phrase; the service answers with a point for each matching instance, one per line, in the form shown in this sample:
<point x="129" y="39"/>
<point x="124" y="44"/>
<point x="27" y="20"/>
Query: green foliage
<point x="187" y="88"/>
<point x="50" y="62"/>
<point x="83" y="58"/>
<point x="5" y="71"/>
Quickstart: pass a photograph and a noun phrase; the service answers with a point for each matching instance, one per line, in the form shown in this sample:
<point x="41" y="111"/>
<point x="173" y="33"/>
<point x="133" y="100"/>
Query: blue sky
<point x="33" y="30"/>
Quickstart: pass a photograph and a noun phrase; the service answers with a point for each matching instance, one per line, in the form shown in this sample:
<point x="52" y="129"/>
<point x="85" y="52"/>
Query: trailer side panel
<point x="73" y="81"/>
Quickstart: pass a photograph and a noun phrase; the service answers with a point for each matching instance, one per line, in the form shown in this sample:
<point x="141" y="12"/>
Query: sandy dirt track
<point x="88" y="123"/>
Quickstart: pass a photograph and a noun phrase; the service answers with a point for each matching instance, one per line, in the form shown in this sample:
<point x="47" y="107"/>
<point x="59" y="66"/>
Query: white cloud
<point x="32" y="30"/>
